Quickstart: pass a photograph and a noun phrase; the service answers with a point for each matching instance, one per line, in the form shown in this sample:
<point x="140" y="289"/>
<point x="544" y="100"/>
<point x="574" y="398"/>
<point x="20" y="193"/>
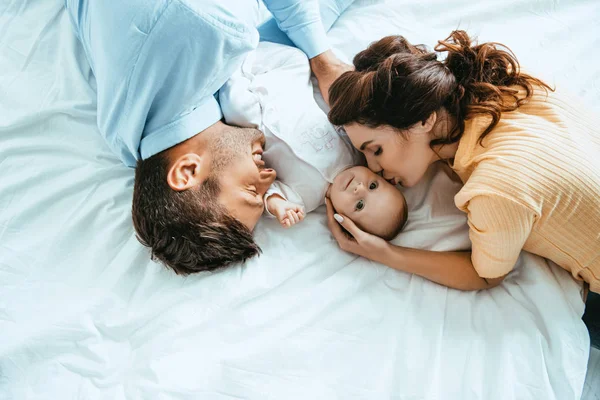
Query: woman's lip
<point x="393" y="181"/>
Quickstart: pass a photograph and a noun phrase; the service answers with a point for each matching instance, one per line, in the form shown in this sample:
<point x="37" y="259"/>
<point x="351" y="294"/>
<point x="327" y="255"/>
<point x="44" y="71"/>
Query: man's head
<point x="373" y="204"/>
<point x="196" y="204"/>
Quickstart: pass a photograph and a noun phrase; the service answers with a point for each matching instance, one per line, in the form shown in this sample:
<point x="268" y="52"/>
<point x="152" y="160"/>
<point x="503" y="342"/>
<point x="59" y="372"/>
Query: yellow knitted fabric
<point x="534" y="184"/>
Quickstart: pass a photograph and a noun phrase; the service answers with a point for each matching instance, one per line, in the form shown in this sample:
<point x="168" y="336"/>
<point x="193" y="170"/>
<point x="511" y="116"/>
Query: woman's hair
<point x="399" y="84"/>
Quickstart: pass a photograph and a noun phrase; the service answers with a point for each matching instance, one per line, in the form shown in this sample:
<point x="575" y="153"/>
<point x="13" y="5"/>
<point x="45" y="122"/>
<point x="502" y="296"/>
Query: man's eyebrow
<point x="365" y="144"/>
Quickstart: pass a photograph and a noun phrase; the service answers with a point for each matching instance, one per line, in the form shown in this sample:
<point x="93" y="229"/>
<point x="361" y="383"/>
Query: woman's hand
<point x="360" y="243"/>
<point x="327" y="68"/>
<point x="451" y="268"/>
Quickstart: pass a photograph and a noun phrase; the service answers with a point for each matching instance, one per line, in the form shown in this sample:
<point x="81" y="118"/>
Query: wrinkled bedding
<point x="85" y="313"/>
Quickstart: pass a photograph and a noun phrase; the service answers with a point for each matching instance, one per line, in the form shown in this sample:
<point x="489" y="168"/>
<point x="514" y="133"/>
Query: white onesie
<point x="273" y="92"/>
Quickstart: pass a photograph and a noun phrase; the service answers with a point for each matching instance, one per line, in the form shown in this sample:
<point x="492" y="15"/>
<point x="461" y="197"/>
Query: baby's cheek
<point x="343" y="209"/>
<point x="339" y="207"/>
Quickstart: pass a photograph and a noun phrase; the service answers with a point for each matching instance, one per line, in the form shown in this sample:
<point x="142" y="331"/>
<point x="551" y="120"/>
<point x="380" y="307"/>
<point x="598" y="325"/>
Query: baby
<point x="375" y="205"/>
<point x="273" y="91"/>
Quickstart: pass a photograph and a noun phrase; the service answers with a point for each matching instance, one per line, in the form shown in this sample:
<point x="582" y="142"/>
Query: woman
<point x="529" y="160"/>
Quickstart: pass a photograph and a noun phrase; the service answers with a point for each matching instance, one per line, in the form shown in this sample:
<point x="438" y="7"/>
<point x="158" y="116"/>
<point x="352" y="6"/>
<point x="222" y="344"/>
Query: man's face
<point x="241" y="173"/>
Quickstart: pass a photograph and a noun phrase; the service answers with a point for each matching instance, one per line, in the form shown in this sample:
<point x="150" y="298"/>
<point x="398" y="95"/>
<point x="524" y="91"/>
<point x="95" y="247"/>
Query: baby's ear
<point x="328" y="192"/>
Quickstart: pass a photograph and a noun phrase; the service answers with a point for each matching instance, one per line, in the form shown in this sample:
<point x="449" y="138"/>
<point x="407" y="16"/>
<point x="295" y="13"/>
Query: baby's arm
<point x="277" y="204"/>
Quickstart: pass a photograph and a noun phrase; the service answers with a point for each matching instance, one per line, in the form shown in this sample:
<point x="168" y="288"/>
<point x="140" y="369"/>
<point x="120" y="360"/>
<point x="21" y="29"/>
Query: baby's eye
<point x="373" y="186"/>
<point x="360" y="205"/>
<point x="378" y="151"/>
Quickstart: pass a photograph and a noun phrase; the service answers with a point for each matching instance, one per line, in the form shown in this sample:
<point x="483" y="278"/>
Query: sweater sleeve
<point x="498" y="231"/>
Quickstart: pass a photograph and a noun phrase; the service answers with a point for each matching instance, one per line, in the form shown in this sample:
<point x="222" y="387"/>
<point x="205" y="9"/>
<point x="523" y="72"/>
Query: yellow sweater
<point x="533" y="184"/>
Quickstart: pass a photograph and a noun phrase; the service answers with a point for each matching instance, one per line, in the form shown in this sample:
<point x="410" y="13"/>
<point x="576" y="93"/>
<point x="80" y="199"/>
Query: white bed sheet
<point x="84" y="314"/>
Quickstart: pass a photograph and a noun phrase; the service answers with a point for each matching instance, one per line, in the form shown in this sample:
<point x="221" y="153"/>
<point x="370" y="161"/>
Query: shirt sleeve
<point x="301" y="21"/>
<point x="284" y="191"/>
<point x="498" y="231"/>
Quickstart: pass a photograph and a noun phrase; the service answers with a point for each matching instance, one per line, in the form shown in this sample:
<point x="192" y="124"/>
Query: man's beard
<point x="231" y="145"/>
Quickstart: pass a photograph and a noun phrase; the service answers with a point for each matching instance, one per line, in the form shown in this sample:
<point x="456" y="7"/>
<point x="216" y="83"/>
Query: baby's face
<point x="367" y="199"/>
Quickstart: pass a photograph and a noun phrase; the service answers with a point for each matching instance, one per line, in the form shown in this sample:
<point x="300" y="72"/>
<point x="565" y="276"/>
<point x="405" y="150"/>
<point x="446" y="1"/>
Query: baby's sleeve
<point x="498" y="231"/>
<point x="284" y="191"/>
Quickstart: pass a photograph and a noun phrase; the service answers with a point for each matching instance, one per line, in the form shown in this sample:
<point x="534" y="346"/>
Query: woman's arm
<point x="452" y="269"/>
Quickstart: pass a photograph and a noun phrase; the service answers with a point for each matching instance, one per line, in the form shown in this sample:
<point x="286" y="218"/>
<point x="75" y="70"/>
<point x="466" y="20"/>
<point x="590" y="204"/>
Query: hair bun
<point x="462" y="59"/>
<point x="370" y="58"/>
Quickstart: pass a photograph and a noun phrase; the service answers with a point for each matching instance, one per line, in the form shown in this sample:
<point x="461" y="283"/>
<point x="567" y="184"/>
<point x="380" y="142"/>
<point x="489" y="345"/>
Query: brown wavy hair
<point x="399" y="84"/>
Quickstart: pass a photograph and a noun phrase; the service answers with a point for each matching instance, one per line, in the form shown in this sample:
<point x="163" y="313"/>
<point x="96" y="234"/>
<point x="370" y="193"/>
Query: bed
<point x="85" y="313"/>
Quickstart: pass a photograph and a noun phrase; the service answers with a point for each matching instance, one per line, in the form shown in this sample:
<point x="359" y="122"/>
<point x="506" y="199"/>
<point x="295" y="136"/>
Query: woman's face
<point x="402" y="159"/>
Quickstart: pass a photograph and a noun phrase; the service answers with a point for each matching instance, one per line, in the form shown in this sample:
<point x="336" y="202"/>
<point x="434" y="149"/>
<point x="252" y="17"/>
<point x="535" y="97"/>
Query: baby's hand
<point x="286" y="212"/>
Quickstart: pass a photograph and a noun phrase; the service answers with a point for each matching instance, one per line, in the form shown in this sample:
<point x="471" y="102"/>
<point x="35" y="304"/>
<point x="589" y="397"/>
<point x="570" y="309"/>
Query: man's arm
<point x="306" y="23"/>
<point x="301" y="22"/>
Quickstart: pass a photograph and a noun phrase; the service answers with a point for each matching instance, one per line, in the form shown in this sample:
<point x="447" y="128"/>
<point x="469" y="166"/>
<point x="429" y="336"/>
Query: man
<point x="158" y="67"/>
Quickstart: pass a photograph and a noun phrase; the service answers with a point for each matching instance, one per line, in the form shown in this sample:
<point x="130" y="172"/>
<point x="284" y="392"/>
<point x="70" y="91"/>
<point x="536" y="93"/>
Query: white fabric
<point x="84" y="314"/>
<point x="272" y="90"/>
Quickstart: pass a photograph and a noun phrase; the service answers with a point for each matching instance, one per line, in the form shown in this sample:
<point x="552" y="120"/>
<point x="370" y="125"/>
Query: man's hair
<point x="188" y="231"/>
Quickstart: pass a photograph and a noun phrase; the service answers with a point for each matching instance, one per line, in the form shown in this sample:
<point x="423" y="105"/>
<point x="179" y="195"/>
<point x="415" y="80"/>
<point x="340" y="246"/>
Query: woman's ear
<point x="187" y="171"/>
<point x="426" y="125"/>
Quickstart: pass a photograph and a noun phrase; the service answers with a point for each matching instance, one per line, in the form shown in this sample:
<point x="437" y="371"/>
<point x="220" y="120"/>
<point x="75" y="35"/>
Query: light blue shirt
<point x="158" y="64"/>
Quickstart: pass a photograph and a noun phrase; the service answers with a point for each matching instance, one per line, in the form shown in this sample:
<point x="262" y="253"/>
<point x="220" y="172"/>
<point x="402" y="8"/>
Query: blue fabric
<point x="330" y="11"/>
<point x="158" y="64"/>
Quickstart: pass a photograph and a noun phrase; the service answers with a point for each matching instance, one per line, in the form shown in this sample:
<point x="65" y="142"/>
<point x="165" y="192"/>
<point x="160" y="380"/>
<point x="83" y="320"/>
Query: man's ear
<point x="425" y="126"/>
<point x="187" y="171"/>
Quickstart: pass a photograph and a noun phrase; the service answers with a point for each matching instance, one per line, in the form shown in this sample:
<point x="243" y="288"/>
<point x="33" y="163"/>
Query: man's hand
<point x="286" y="212"/>
<point x="327" y="68"/>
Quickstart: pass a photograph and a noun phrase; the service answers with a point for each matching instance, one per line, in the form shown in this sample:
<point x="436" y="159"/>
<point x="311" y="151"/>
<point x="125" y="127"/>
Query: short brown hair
<point x="188" y="231"/>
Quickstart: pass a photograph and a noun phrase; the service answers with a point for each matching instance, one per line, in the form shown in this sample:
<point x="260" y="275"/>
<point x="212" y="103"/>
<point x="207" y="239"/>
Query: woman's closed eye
<point x="378" y="151"/>
<point x="359" y="205"/>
